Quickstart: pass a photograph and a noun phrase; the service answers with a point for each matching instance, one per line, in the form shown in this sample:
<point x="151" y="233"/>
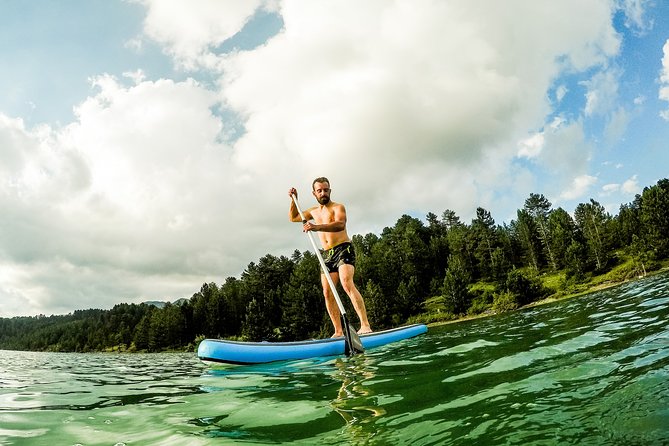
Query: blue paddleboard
<point x="235" y="352"/>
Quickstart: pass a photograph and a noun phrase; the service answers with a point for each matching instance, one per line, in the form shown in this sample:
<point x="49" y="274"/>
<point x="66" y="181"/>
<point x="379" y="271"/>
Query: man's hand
<point x="292" y="191"/>
<point x="309" y="226"/>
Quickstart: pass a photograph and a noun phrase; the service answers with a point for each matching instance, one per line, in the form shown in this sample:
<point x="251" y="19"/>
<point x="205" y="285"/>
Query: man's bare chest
<point x="324" y="215"/>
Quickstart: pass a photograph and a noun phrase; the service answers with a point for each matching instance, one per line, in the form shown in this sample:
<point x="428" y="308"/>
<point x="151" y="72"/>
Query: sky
<point x="147" y="146"/>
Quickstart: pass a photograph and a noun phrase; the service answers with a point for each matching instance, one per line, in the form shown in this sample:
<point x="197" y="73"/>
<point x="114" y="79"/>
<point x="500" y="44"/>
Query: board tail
<point x="352" y="343"/>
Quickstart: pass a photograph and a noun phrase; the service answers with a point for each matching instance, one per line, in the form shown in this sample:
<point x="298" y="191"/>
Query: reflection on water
<point x="355" y="401"/>
<point x="593" y="370"/>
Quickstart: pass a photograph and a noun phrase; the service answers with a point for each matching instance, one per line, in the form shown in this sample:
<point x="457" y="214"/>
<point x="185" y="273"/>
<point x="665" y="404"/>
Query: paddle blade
<point x="352" y="343"/>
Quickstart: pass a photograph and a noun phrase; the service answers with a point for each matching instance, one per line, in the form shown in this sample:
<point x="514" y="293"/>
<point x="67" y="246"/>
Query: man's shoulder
<point x="333" y="207"/>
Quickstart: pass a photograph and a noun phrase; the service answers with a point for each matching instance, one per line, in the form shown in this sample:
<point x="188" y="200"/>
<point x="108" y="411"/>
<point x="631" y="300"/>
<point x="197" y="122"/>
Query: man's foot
<point x="337" y="335"/>
<point x="364" y="330"/>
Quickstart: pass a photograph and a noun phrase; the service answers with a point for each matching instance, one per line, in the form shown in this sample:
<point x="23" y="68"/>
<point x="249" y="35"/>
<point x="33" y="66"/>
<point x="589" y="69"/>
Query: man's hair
<point x="319" y="180"/>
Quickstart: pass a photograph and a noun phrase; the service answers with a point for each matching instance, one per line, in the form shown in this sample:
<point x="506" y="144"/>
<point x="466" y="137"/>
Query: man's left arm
<point x="337" y="225"/>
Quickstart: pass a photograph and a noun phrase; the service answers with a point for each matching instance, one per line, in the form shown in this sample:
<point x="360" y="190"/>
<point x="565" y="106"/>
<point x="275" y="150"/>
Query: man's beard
<point x="324" y="200"/>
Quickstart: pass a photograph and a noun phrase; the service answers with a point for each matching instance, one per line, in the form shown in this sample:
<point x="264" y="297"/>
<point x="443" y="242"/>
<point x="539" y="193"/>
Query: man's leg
<point x="346" y="273"/>
<point x="331" y="304"/>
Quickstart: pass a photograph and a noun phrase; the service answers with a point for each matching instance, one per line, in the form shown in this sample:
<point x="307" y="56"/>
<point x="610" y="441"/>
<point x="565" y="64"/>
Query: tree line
<point x="402" y="273"/>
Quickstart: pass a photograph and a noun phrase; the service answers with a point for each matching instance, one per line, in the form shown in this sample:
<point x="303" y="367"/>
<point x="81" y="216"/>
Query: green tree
<point x="539" y="208"/>
<point x="450" y="219"/>
<point x="141" y="336"/>
<point x="525" y="286"/>
<point x="455" y="290"/>
<point x="378" y="310"/>
<point x="526" y="232"/>
<point x="255" y="326"/>
<point x="460" y="243"/>
<point x="438" y="252"/>
<point x="629" y="222"/>
<point x="408" y="298"/>
<point x="655" y="218"/>
<point x="563" y="232"/>
<point x="592" y="219"/>
<point x="575" y="260"/>
<point x="485" y="243"/>
<point x="640" y="253"/>
<point x="263" y="285"/>
<point x="304" y="307"/>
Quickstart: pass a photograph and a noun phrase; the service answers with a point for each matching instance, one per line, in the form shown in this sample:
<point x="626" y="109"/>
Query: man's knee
<point x="349" y="287"/>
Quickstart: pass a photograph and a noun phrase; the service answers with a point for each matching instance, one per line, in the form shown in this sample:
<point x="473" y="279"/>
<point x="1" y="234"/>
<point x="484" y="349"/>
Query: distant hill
<point x="161" y="304"/>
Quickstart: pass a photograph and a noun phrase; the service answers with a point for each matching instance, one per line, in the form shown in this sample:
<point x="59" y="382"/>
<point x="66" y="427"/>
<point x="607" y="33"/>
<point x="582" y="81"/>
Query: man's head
<point x="321" y="190"/>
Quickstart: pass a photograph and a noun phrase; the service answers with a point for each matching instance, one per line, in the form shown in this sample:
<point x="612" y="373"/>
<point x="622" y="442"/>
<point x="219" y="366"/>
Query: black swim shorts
<point x="342" y="254"/>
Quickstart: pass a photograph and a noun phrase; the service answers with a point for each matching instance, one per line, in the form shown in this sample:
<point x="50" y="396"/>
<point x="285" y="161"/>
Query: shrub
<point x="527" y="287"/>
<point x="480" y="303"/>
<point x="505" y="301"/>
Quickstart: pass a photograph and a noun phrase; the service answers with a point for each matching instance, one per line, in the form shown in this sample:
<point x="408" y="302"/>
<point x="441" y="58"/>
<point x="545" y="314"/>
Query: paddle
<point x="352" y="343"/>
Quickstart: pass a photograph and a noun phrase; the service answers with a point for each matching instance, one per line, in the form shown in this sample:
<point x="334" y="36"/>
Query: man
<point x="329" y="220"/>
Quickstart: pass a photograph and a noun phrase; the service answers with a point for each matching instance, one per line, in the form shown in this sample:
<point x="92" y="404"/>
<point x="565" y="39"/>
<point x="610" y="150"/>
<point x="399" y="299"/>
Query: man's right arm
<point x="293" y="213"/>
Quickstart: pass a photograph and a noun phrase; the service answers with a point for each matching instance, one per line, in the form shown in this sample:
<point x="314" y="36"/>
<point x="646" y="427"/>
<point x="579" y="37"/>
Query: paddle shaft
<point x="321" y="261"/>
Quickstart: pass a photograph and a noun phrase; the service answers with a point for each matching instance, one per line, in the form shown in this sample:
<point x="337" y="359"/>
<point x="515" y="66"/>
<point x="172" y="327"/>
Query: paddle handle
<point x="320" y="259"/>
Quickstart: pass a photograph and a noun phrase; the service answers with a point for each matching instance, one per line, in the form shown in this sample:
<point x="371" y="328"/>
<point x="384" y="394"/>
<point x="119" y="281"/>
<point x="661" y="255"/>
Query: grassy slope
<point x="436" y="314"/>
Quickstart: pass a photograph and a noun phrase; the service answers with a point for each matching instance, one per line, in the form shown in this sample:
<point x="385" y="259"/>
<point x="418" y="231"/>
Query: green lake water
<point x="587" y="371"/>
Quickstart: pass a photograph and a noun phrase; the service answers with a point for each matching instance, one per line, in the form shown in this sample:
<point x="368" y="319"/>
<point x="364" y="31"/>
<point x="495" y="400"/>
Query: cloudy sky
<point x="147" y="146"/>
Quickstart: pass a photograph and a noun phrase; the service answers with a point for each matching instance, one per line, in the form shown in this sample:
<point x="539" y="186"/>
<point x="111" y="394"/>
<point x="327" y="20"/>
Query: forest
<point x="433" y="270"/>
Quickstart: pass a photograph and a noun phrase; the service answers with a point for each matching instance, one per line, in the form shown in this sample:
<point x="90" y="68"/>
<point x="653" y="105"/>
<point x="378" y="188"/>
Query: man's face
<point x="322" y="192"/>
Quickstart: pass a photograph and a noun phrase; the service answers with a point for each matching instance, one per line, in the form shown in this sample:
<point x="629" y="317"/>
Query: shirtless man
<point x="329" y="220"/>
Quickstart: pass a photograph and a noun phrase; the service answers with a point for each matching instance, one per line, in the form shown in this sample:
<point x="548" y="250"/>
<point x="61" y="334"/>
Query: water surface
<point x="587" y="371"/>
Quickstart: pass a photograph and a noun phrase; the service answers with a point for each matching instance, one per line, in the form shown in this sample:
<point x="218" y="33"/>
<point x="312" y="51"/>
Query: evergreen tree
<point x="563" y="232"/>
<point x="378" y="310"/>
<point x="592" y="220"/>
<point x="629" y="222"/>
<point x="575" y="260"/>
<point x="141" y="337"/>
<point x="485" y="241"/>
<point x="456" y="294"/>
<point x="539" y="208"/>
<point x="304" y="306"/>
<point x="526" y="232"/>
<point x="460" y="243"/>
<point x="655" y="218"/>
<point x="450" y="219"/>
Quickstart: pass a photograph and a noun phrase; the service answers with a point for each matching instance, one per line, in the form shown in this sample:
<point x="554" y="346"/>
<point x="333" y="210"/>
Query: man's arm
<point x="293" y="213"/>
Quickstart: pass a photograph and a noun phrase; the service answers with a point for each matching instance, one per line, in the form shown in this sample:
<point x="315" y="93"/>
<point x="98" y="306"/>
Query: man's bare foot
<point x="337" y="335"/>
<point x="364" y="330"/>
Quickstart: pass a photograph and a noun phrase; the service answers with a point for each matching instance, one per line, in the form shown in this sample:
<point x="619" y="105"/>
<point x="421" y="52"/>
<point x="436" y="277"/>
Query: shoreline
<point x="553" y="298"/>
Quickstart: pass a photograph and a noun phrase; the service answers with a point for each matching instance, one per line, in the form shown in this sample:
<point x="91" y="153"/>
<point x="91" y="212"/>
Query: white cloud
<point x="616" y="125"/>
<point x="631" y="186"/>
<point x="664" y="80"/>
<point x="531" y="147"/>
<point x="608" y="189"/>
<point x="124" y="203"/>
<point x="579" y="187"/>
<point x="387" y="86"/>
<point x="190" y="30"/>
<point x="611" y="163"/>
<point x="561" y="92"/>
<point x="628" y="187"/>
<point x="561" y="148"/>
<point x="602" y="93"/>
<point x="635" y="14"/>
